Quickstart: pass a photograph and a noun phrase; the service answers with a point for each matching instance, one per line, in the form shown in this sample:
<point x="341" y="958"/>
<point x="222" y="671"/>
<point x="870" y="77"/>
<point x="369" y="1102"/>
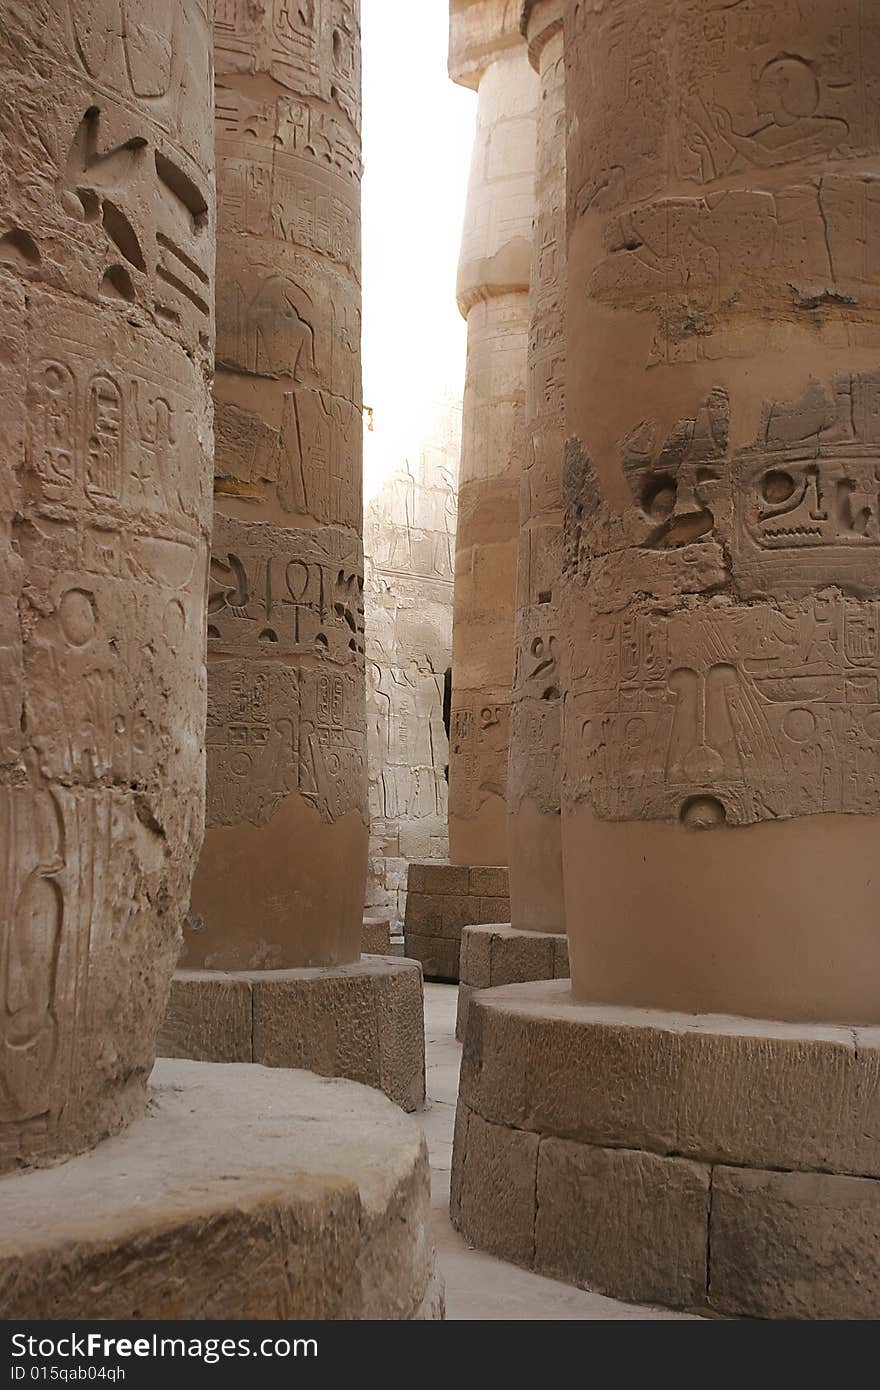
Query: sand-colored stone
<point x="795" y="1245"/>
<point x="500" y="955"/>
<point x="106" y="289"/>
<point x="722" y="515"/>
<point x="376" y="936"/>
<point x="533" y="795"/>
<point x="444" y="899"/>
<point x="281" y="880"/>
<point x="487" y="53"/>
<point x="621" y="1221"/>
<point x="759" y="1093"/>
<point x="498" y="1189"/>
<point x="244" y="1194"/>
<point x="363" y="1022"/>
<point x="663" y="1144"/>
<point x="409" y="545"/>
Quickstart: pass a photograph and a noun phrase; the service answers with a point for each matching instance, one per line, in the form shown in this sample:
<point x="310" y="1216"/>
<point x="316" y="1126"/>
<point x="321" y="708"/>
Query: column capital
<point x="540" y="21"/>
<point x="479" y="32"/>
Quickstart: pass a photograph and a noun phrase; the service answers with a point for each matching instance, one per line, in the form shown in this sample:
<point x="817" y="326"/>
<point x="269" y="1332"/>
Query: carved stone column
<point x="699" y="1116"/>
<point x="106" y="279"/>
<point x="280" y="885"/>
<point x="281" y="878"/>
<point x="487" y="53"/>
<point x="107" y="236"/>
<point x="533" y="945"/>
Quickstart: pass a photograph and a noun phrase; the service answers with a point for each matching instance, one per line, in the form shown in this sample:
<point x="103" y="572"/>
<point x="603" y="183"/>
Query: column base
<point x="499" y="955"/>
<point x="376" y="936"/>
<point x="716" y="1164"/>
<point x="242" y="1194"/>
<point x="364" y="1022"/>
<point x="443" y="899"/>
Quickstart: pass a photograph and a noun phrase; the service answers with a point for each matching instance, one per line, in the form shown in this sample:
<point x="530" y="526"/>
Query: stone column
<point x="723" y="523"/>
<point x="280" y="886"/>
<point x="487" y="53"/>
<point x="533" y="946"/>
<point x="281" y="879"/>
<point x="697" y="1121"/>
<point x="106" y="276"/>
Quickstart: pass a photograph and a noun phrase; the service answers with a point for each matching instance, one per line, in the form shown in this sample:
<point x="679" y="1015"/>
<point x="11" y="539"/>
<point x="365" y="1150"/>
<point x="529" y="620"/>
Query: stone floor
<point x="478" y="1287"/>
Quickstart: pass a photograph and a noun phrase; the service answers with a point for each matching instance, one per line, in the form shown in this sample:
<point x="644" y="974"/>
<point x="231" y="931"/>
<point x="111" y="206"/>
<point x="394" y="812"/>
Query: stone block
<point x="209" y="1018"/>
<point x="400" y="1018"/>
<point x="628" y="1224"/>
<point x="489" y="882"/>
<point x="438" y="914"/>
<point x="320" y="1021"/>
<point x="441" y="878"/>
<point x="518" y="956"/>
<point x="376" y="936"/>
<point x="493" y="1077"/>
<point x="497" y="1195"/>
<point x="439" y="956"/>
<point x="561" y="966"/>
<point x="475" y="961"/>
<point x="490" y="912"/>
<point x="465" y="994"/>
<point x="794" y="1245"/>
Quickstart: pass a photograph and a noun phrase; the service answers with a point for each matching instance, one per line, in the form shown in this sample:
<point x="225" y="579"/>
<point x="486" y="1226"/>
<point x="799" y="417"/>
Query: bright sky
<point x="418" y="131"/>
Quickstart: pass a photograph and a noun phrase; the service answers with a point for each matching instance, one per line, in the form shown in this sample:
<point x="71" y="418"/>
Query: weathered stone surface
<point x="718" y="1089"/>
<point x="486" y="882"/>
<point x="629" y="1224"/>
<point x="794" y="1245"/>
<point x="499" y="955"/>
<point x="409" y="543"/>
<point x="497" y="1195"/>
<point x="535" y="824"/>
<point x="106" y="290"/>
<point x="444" y="899"/>
<point x="438" y="955"/>
<point x="439" y="878"/>
<point x="364" y="1022"/>
<point x="487" y="53"/>
<point x="376" y="936"/>
<point x="722" y="513"/>
<point x="281" y="880"/>
<point x="243" y="1194"/>
<point x="208" y="1019"/>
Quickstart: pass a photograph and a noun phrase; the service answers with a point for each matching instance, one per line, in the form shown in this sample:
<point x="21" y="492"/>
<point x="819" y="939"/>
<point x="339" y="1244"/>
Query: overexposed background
<point x="418" y="132"/>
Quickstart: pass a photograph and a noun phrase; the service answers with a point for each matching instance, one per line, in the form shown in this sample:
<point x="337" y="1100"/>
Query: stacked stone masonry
<point x="500" y="955"/>
<point x="718" y="1164"/>
<point x="442" y="900"/>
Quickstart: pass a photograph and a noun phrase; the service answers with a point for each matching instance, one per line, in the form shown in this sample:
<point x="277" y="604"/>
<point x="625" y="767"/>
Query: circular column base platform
<point x="243" y="1193"/>
<point x="365" y="1022"/>
<point x="499" y="955"/>
<point x="717" y="1164"/>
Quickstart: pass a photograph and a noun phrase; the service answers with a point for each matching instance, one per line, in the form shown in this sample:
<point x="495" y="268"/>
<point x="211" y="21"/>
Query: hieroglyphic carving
<point x="311" y="47"/>
<point x="104" y="513"/>
<point x="410" y="539"/>
<point x="287" y="735"/>
<point x="771" y="706"/>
